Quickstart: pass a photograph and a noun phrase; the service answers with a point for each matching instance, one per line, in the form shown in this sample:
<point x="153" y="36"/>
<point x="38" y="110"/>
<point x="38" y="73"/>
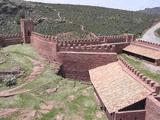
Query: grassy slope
<point x="17" y="56"/>
<point x="94" y="19"/>
<point x="157" y="32"/>
<point x="82" y="106"/>
<point x="142" y="68"/>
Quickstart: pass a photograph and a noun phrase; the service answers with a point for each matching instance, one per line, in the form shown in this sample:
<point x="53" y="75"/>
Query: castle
<point x="124" y="92"/>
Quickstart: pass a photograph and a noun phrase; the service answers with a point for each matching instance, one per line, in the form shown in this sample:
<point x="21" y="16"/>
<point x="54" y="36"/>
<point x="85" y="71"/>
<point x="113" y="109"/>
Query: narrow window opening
<point x="29" y="33"/>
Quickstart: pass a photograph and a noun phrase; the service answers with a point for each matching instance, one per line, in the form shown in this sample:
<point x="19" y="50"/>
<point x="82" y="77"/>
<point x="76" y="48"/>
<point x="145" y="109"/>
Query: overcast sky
<point x="120" y="4"/>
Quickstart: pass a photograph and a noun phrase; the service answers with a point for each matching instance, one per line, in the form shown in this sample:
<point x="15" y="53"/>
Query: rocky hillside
<point x="78" y="20"/>
<point x="153" y="11"/>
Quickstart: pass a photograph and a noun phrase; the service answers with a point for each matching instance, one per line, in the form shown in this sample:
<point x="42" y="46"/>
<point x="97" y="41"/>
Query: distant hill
<point x="56" y="18"/>
<point x="153" y="11"/>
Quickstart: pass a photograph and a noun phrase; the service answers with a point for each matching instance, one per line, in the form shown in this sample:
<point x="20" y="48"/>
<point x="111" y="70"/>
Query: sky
<point x="119" y="4"/>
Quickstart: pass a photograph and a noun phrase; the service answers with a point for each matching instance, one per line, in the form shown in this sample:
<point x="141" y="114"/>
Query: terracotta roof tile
<point x="116" y="88"/>
<point x="143" y="51"/>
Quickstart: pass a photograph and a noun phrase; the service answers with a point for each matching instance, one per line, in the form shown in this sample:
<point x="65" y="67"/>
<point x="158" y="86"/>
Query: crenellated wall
<point x="117" y="38"/>
<point x="26" y="28"/>
<point x="85" y="48"/>
<point x="99" y="40"/>
<point x="152" y="108"/>
<point x="10" y="39"/>
<point x="45" y="45"/>
<point x="154" y="45"/>
<point x="149" y="83"/>
<point x="80" y="41"/>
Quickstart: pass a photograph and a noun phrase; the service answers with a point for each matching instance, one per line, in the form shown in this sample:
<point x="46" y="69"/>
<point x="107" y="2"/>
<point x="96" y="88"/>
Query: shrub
<point x="11" y="82"/>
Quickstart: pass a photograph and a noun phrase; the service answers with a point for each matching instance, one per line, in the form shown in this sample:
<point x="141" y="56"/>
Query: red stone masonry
<point x="80" y="41"/>
<point x="45" y="45"/>
<point x="130" y="115"/>
<point x="85" y="48"/>
<point x="76" y="65"/>
<point x="10" y="39"/>
<point x="151" y="44"/>
<point x="117" y="38"/>
<point x="78" y="56"/>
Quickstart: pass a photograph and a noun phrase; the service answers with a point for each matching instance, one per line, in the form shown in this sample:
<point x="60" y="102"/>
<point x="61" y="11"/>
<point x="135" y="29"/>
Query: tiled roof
<point x="143" y="51"/>
<point x="116" y="88"/>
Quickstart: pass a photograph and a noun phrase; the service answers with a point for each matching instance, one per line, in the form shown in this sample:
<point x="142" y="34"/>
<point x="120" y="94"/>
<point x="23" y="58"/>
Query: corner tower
<point x="26" y="29"/>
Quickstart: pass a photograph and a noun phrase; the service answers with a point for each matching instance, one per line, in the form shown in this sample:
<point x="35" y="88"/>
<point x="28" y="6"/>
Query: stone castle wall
<point x="78" y="58"/>
<point x="76" y="65"/>
<point x="46" y="46"/>
<point x="10" y="39"/>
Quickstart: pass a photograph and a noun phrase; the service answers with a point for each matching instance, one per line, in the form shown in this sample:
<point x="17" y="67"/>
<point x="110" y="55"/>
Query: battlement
<point x="117" y="38"/>
<point x="85" y="48"/>
<point x="5" y="36"/>
<point x="155" y="45"/>
<point x="10" y="39"/>
<point x="99" y="40"/>
<point x="47" y="38"/>
<point x="151" y="84"/>
<point x="80" y="41"/>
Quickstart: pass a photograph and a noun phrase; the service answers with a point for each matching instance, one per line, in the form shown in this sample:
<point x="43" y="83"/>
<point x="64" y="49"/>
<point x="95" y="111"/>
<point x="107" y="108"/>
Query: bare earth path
<point x="37" y="70"/>
<point x="150" y="36"/>
<point x="25" y="114"/>
<point x="5" y="112"/>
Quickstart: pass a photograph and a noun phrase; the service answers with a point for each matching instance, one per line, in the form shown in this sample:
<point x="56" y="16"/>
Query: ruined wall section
<point x="85" y="48"/>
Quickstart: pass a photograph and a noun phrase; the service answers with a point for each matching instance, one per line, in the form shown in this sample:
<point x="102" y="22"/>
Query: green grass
<point x="157" y="32"/>
<point x="139" y="65"/>
<point x="82" y="106"/>
<point x="52" y="114"/>
<point x="18" y="56"/>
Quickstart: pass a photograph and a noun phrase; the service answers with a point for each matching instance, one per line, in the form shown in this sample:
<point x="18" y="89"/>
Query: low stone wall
<point x="131" y="115"/>
<point x="77" y="64"/>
